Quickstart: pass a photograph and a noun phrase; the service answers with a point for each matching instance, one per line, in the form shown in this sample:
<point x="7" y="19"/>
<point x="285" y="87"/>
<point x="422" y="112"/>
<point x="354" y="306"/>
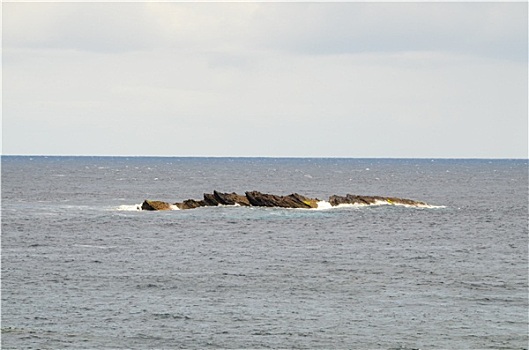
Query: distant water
<point x="82" y="268"/>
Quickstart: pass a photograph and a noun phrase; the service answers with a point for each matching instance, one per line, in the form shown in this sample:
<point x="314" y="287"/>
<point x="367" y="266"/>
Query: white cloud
<point x="303" y="79"/>
<point x="492" y="29"/>
<point x="95" y="27"/>
<point x="497" y="29"/>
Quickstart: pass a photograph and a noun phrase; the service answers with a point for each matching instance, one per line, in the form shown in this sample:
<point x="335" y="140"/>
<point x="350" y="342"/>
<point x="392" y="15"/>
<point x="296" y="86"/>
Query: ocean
<point x="82" y="268"/>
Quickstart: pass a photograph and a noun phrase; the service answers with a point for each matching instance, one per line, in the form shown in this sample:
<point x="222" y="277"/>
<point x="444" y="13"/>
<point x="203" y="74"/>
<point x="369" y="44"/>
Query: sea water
<point x="83" y="268"/>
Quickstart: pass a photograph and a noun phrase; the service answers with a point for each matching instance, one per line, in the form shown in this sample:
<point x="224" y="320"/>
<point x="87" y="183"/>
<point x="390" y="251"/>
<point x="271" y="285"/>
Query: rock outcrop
<point x="155" y="205"/>
<point x="259" y="199"/>
<point x="370" y="200"/>
<point x="190" y="204"/>
<point x="294" y="200"/>
<point x="219" y="198"/>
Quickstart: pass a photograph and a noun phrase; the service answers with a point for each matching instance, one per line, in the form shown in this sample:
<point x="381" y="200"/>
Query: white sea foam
<point x="137" y="207"/>
<point x="227" y="205"/>
<point x="128" y="207"/>
<point x="419" y="205"/>
<point x="324" y="205"/>
<point x="92" y="246"/>
<point x="428" y="206"/>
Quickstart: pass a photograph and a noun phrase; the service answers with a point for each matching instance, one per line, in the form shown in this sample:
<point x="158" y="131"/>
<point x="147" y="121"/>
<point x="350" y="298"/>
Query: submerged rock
<point x="404" y="201"/>
<point x="351" y="199"/>
<point x="371" y="200"/>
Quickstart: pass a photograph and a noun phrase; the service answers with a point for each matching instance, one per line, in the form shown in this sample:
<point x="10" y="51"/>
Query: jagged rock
<point x="337" y="200"/>
<point x="210" y="200"/>
<point x="259" y="199"/>
<point x="309" y="202"/>
<point x="370" y="200"/>
<point x="351" y="199"/>
<point x="256" y="198"/>
<point x="294" y="200"/>
<point x="190" y="204"/>
<point x="392" y="200"/>
<point x="231" y="198"/>
<point x="155" y="205"/>
<point x="219" y="198"/>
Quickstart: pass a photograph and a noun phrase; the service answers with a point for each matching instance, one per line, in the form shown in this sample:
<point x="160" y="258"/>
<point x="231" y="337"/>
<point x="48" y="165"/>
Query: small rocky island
<point x="294" y="200"/>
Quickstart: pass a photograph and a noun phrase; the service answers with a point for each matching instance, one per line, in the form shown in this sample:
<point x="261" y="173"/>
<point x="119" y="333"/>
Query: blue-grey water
<point x="81" y="268"/>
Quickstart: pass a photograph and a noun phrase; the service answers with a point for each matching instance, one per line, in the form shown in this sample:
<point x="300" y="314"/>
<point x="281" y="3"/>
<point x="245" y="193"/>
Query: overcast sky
<point x="342" y="79"/>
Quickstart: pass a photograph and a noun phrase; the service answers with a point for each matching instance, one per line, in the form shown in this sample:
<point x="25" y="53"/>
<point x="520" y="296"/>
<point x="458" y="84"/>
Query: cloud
<point x="490" y="29"/>
<point x="93" y="27"/>
<point x="279" y="79"/>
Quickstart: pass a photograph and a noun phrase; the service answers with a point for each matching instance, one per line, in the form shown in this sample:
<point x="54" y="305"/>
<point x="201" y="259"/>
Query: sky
<point x="257" y="79"/>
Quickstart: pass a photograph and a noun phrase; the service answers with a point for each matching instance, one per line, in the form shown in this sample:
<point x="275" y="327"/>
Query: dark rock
<point x="302" y="200"/>
<point x="392" y="200"/>
<point x="337" y="200"/>
<point x="190" y="204"/>
<point x="294" y="200"/>
<point x="155" y="205"/>
<point x="219" y="198"/>
<point x="354" y="199"/>
<point x="210" y="200"/>
<point x="258" y="199"/>
<point x="370" y="200"/>
<point x="363" y="199"/>
<point x="231" y="198"/>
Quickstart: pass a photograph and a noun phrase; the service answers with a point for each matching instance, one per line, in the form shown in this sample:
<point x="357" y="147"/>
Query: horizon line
<point x="259" y="157"/>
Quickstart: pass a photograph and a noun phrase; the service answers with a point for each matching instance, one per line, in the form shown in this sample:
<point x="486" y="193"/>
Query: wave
<point x="92" y="246"/>
<point x="136" y="207"/>
<point x="128" y="207"/>
<point x="322" y="205"/>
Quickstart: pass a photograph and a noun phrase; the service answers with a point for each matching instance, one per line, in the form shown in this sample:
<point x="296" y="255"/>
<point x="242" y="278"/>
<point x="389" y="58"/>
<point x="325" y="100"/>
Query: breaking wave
<point x="136" y="207"/>
<point x="322" y="205"/>
<point x="128" y="207"/>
